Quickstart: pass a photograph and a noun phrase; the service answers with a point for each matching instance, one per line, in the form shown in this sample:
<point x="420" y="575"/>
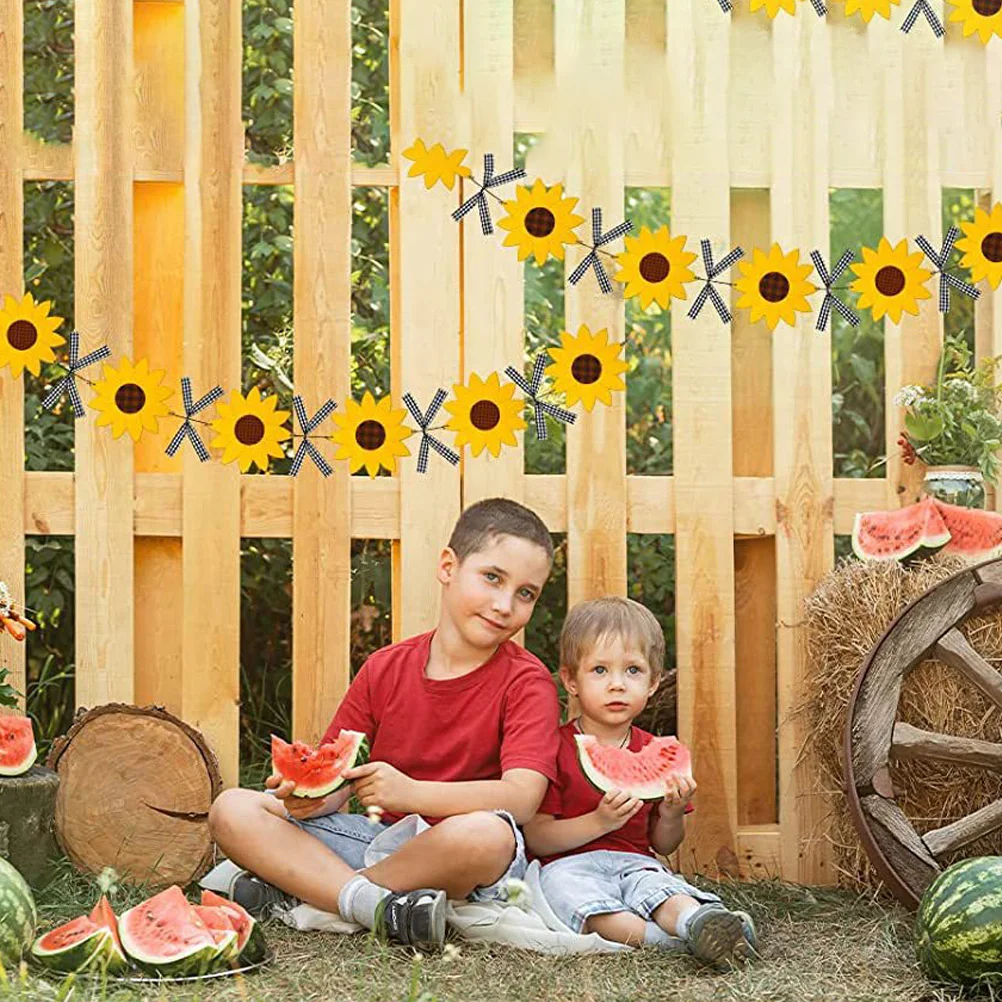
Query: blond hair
<point x="588" y="622"/>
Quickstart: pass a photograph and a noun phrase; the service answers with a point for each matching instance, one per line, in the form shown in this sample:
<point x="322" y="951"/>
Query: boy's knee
<point x="483" y="834"/>
<point x="227" y="810"/>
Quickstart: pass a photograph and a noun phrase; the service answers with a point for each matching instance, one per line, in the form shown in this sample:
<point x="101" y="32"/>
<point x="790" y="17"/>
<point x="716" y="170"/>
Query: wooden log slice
<point x="134" y="794"/>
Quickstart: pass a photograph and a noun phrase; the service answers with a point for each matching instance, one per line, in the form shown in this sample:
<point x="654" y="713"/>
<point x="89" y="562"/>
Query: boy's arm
<point x="667" y="828"/>
<point x="546" y="835"/>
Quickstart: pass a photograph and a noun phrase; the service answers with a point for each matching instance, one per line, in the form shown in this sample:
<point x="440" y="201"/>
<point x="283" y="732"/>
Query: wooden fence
<point x="749" y="121"/>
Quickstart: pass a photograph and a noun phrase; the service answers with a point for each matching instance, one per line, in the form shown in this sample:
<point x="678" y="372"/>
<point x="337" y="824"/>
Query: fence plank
<point x="321" y="584"/>
<point x="11" y="283"/>
<point x="703" y="473"/>
<point x="211" y="520"/>
<point x="103" y="116"/>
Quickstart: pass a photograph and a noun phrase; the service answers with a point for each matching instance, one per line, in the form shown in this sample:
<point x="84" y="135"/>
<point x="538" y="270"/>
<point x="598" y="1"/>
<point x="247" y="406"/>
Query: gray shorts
<point x="600" y="882"/>
<point x="348" y="836"/>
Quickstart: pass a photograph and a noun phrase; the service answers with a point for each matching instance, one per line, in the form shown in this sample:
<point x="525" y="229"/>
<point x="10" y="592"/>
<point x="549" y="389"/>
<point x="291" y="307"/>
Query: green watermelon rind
<point x="319" y="792"/>
<point x="199" y="960"/>
<point x="85" y="954"/>
<point x="958" y="933"/>
<point x="925" y="544"/>
<point x="254" y="949"/>
<point x="654" y="791"/>
<point x="18" y="915"/>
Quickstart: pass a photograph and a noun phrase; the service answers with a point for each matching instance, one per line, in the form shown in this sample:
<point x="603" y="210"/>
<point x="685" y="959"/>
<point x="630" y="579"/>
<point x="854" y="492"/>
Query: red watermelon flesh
<point x="319" y="772"/>
<point x="974" y="533"/>
<point x="73" y="946"/>
<point x="250" y="940"/>
<point x="165" y="935"/>
<point x="642" y="774"/>
<point x="104" y="916"/>
<point x="895" y="535"/>
<point x="219" y="924"/>
<point x="17" y="745"/>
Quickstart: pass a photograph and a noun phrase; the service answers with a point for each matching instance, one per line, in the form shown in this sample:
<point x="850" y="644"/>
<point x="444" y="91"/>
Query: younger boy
<point x="599" y="873"/>
<point x="462" y="726"/>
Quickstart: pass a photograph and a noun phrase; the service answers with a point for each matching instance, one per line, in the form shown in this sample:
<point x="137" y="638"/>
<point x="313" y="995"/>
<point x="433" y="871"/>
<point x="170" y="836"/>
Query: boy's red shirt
<point x="503" y="715"/>
<point x="571" y="795"/>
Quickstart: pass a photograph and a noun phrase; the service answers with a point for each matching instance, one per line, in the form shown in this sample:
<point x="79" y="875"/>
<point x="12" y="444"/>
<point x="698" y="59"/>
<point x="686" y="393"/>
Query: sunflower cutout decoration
<point x="867" y="8"/>
<point x="981" y="16"/>
<point x="371" y="434"/>
<point x="891" y="280"/>
<point x="540" y="221"/>
<point x="436" y="165"/>
<point x="982" y="244"/>
<point x="131" y="398"/>
<point x="773" y="7"/>
<point x="775" y="286"/>
<point x="250" y="430"/>
<point x="586" y="367"/>
<point x="27" y="335"/>
<point x="485" y="414"/>
<point x="655" y="267"/>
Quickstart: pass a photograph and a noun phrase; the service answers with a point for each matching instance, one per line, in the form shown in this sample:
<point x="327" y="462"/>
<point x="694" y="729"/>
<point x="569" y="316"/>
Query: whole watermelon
<point x="18" y="916"/>
<point x="958" y="928"/>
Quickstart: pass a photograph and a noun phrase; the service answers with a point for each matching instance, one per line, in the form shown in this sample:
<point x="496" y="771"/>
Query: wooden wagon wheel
<point x="927" y="628"/>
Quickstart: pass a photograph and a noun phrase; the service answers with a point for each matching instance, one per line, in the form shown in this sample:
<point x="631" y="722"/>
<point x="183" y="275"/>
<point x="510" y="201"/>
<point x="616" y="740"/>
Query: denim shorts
<point x="596" y="883"/>
<point x="348" y="836"/>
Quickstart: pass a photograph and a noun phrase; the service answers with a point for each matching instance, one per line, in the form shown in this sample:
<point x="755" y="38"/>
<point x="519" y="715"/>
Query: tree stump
<point x="27" y="809"/>
<point x="135" y="789"/>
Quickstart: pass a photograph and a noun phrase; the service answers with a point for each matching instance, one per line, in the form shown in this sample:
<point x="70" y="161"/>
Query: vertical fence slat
<point x="102" y="147"/>
<point x="211" y="521"/>
<point x="321" y="593"/>
<point x="701" y="402"/>
<point x="11" y="283"/>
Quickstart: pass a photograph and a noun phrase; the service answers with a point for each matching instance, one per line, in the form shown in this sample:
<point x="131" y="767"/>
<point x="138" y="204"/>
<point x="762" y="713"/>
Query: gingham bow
<point x="531" y="390"/>
<point x="309" y="424"/>
<point x="819" y="8"/>
<point x="187" y="430"/>
<point x="940" y="261"/>
<point x="480" y="198"/>
<point x="429" y="441"/>
<point x="69" y="381"/>
<point x="598" y="239"/>
<point x="712" y="271"/>
<point x="923" y="7"/>
<point x="725" y="6"/>
<point x="830" y="298"/>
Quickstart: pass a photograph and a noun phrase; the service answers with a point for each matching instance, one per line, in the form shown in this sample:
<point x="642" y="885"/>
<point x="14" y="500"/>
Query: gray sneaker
<point x="259" y="898"/>
<point x="717" y="936"/>
<point x="414" y="918"/>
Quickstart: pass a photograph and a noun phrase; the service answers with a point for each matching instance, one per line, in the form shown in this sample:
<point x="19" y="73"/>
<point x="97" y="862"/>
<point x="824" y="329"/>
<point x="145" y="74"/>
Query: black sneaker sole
<point x="718" y="936"/>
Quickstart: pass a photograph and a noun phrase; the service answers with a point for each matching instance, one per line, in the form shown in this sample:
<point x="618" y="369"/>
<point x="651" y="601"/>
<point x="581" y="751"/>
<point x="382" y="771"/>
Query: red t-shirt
<point x="503" y="715"/>
<point x="572" y="795"/>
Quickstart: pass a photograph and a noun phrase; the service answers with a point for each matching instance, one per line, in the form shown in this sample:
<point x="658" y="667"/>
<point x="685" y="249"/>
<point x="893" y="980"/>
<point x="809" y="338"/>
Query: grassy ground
<point x="816" y="945"/>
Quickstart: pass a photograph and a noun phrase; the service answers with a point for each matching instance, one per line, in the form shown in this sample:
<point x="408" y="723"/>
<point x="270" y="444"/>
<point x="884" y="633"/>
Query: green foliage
<point x="8" y="694"/>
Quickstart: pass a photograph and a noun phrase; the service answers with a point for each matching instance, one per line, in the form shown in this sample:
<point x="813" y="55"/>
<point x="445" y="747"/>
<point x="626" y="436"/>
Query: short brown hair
<point x="483" y="522"/>
<point x="588" y="622"/>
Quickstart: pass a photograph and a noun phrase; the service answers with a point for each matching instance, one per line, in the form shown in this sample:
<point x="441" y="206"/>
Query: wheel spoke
<point x="943" y="840"/>
<point x="953" y="649"/>
<point x="913" y="742"/>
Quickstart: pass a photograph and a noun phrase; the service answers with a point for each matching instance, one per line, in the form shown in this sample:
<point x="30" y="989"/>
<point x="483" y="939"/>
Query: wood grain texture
<point x="949" y="838"/>
<point x="910" y="742"/>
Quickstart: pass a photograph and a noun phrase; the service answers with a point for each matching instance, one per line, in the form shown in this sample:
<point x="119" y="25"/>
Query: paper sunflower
<point x="541" y="221"/>
<point x="586" y="367"/>
<point x="775" y="286"/>
<point x="773" y="7"/>
<point x="981" y="16"/>
<point x="131" y="398"/>
<point x="890" y="280"/>
<point x="867" y="8"/>
<point x="27" y="335"/>
<point x="983" y="245"/>
<point x="371" y="434"/>
<point x="250" y="429"/>
<point x="436" y="165"/>
<point x="485" y="414"/>
<point x="654" y="267"/>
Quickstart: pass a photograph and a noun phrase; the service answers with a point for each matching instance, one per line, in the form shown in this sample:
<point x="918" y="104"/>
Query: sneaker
<point x="414" y="918"/>
<point x="259" y="898"/>
<point x="749" y="948"/>
<point x="717" y="935"/>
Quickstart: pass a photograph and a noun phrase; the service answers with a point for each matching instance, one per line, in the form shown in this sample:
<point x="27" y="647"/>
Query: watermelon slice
<point x="251" y="947"/>
<point x="103" y="916"/>
<point x="974" y="533"/>
<point x="918" y="529"/>
<point x="642" y="774"/>
<point x="165" y="935"/>
<point x="219" y="924"/>
<point x="320" y="772"/>
<point x="74" y="946"/>
<point x="17" y="745"/>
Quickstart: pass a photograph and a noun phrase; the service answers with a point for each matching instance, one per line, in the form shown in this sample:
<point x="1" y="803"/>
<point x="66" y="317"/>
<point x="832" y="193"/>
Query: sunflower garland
<point x="371" y="435"/>
<point x="891" y="280"/>
<point x="775" y="286"/>
<point x="27" y="335"/>
<point x="540" y="221"/>
<point x="250" y="429"/>
<point x="655" y="267"/>
<point x="435" y="165"/>
<point x="982" y="244"/>
<point x="586" y="367"/>
<point x="485" y="414"/>
<point x="131" y="398"/>
<point x="981" y="16"/>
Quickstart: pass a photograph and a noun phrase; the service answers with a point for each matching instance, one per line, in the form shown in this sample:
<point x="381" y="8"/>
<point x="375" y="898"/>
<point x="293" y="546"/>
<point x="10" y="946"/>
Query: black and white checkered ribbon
<point x="531" y="391"/>
<point x="308" y="425"/>
<point x="830" y="298"/>
<point x="725" y="6"/>
<point x="923" y="7"/>
<point x="599" y="239"/>
<point x="712" y="271"/>
<point x="819" y="8"/>
<point x="187" y="430"/>
<point x="480" y="198"/>
<point x="941" y="260"/>
<point x="69" y="382"/>
<point x="428" y="441"/>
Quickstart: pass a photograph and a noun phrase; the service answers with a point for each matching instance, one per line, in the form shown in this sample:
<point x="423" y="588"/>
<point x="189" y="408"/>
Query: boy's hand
<point x="298" y="807"/>
<point x="615" y="809"/>
<point x="379" y="784"/>
<point x="678" y="790"/>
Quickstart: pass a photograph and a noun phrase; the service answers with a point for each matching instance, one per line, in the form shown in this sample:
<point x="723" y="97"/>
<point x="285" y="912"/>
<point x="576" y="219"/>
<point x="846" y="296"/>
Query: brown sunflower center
<point x="774" y="286"/>
<point x="890" y="280"/>
<point x="485" y="415"/>
<point x="370" y="435"/>
<point x="130" y="398"/>
<point x="22" y="335"/>
<point x="654" y="267"/>
<point x="987" y="8"/>
<point x="540" y="222"/>
<point x="586" y="369"/>
<point x="991" y="246"/>
<point x="249" y="429"/>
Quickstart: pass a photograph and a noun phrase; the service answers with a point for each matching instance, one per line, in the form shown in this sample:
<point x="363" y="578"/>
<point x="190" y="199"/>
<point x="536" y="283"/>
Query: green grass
<point x="816" y="945"/>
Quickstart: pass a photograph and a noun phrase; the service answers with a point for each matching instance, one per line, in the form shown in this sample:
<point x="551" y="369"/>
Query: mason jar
<point x="959" y="485"/>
